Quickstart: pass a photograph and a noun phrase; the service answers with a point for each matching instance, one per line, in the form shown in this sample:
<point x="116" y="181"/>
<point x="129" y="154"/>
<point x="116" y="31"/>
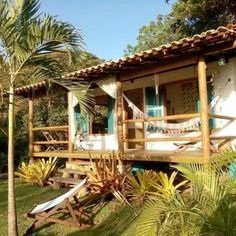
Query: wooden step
<point x="71" y="171"/>
<point x="65" y="180"/>
<point x="79" y="162"/>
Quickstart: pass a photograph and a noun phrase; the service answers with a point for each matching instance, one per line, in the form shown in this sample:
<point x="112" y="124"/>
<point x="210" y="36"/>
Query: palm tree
<point x="27" y="41"/>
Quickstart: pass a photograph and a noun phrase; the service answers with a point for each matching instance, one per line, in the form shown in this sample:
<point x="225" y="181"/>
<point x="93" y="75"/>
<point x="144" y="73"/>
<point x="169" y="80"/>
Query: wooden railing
<point x="161" y="118"/>
<point x="52" y="141"/>
<point x="216" y="116"/>
<point x="179" y="117"/>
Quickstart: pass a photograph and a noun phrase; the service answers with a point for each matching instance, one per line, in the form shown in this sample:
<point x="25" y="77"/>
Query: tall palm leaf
<point x="27" y="41"/>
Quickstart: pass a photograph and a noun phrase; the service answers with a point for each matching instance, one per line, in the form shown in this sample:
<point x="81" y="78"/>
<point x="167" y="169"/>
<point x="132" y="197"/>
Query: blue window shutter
<point x="151" y="100"/>
<point x="81" y="122"/>
<point x="110" y="102"/>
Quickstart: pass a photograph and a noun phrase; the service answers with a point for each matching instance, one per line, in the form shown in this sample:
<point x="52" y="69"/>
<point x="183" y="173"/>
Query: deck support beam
<point x="70" y="144"/>
<point x="204" y="108"/>
<point x="30" y="127"/>
<point x="119" y="112"/>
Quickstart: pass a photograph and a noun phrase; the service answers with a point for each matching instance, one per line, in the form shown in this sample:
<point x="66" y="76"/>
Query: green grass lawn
<point x="113" y="219"/>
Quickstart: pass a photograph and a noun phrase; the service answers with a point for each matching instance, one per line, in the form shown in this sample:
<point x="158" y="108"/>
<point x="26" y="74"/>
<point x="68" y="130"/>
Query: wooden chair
<point x="49" y="137"/>
<point x="52" y="147"/>
<point x="46" y="212"/>
<point x="216" y="143"/>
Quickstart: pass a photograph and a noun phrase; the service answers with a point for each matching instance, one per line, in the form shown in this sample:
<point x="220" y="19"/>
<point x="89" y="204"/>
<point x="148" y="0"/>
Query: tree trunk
<point x="12" y="217"/>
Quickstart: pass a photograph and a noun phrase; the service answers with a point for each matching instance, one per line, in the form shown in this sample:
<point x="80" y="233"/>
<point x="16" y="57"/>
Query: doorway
<point x="134" y="130"/>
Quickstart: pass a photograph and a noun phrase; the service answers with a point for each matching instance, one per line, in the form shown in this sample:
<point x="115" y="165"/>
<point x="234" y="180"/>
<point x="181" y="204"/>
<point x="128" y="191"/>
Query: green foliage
<point x="160" y="31"/>
<point x="208" y="207"/>
<point x="165" y="186"/>
<point x="187" y="17"/>
<point x="139" y="187"/>
<point x="37" y="171"/>
<point x="195" y="16"/>
<point x="105" y="179"/>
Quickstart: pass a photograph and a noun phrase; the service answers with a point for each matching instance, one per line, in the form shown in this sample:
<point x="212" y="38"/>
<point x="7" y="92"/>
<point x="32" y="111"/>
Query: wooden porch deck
<point x="129" y="155"/>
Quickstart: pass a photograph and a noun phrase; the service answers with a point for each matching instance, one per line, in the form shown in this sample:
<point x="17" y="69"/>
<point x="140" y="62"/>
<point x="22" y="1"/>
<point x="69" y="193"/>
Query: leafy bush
<point x="139" y="186"/>
<point x="146" y="184"/>
<point x="165" y="186"/>
<point x="3" y="161"/>
<point x="207" y="208"/>
<point x="37" y="171"/>
<point x="105" y="178"/>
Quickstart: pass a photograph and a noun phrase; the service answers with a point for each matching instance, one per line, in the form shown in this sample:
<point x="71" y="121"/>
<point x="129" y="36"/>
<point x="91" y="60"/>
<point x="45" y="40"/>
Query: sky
<point x="107" y="26"/>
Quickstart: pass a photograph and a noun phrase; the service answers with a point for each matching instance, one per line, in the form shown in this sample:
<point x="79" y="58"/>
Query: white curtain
<point x="108" y="85"/>
<point x="72" y="102"/>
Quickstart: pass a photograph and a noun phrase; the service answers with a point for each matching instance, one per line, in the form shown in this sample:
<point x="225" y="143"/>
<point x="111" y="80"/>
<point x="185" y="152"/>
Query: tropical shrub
<point x="37" y="171"/>
<point x="207" y="208"/>
<point x="165" y="186"/>
<point x="139" y="186"/>
<point x="105" y="179"/>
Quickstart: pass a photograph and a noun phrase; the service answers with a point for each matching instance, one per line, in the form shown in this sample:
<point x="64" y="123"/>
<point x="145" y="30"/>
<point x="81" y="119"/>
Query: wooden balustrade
<point x="165" y="118"/>
<point x="51" y="141"/>
<point x="171" y="138"/>
<point x="223" y="117"/>
<point x="52" y="128"/>
<point x="164" y="139"/>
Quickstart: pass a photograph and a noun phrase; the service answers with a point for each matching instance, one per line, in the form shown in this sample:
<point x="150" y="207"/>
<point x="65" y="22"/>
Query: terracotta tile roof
<point x="24" y="90"/>
<point x="210" y="37"/>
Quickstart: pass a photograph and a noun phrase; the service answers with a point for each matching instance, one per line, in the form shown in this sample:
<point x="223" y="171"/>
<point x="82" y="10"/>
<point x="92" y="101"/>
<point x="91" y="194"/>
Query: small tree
<point x="27" y="43"/>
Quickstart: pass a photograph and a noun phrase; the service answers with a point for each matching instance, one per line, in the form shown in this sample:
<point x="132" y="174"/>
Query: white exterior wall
<point x="99" y="142"/>
<point x="226" y="104"/>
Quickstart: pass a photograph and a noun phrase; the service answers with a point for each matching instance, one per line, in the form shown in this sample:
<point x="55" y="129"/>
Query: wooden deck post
<point x="204" y="108"/>
<point x="119" y="112"/>
<point x="70" y="144"/>
<point x="30" y="127"/>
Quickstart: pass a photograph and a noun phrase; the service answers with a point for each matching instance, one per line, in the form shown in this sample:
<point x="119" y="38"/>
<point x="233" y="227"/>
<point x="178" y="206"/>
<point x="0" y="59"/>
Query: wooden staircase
<point x="70" y="175"/>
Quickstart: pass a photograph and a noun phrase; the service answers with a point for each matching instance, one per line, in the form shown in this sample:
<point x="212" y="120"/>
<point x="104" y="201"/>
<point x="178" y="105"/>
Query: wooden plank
<point x="168" y="159"/>
<point x="132" y="155"/>
<point x="222" y="137"/>
<point x="52" y="128"/>
<point x="30" y="127"/>
<point x="163" y="156"/>
<point x="65" y="180"/>
<point x="164" y="139"/>
<point x="70" y="143"/>
<point x="119" y="113"/>
<point x="204" y="108"/>
<point x="50" y="142"/>
<point x="80" y="162"/>
<point x="217" y="116"/>
<point x="173" y="117"/>
<point x="70" y="171"/>
<point x="86" y="154"/>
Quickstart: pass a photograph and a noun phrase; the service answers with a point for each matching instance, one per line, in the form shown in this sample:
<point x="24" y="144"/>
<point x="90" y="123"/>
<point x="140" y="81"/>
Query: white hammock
<point x="161" y="126"/>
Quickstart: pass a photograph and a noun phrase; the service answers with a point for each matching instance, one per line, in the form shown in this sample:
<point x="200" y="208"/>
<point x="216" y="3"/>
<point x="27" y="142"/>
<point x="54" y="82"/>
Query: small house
<point x="172" y="103"/>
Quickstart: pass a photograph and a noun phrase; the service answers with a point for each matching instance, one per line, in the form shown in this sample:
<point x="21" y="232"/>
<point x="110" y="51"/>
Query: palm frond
<point x="80" y="89"/>
<point x="150" y="220"/>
